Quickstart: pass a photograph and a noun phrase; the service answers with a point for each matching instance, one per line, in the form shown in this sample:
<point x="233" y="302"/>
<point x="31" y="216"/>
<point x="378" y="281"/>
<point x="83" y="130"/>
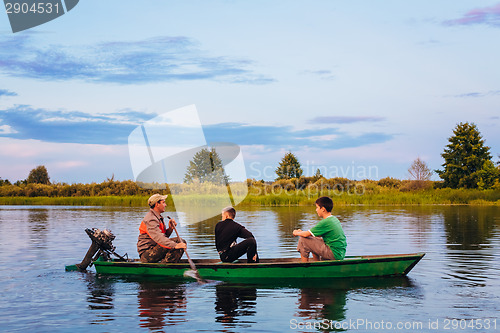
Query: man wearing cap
<point x="226" y="233"/>
<point x="154" y="243"/>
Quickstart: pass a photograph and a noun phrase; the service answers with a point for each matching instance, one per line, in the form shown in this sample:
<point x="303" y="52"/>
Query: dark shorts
<point x="248" y="246"/>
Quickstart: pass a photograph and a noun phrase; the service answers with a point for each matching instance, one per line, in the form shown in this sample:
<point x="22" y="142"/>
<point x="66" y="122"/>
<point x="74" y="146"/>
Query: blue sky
<point x="355" y="88"/>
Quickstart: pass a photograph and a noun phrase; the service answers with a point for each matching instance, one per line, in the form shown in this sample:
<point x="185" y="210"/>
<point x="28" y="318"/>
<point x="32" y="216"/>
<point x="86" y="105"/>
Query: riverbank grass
<point x="293" y="198"/>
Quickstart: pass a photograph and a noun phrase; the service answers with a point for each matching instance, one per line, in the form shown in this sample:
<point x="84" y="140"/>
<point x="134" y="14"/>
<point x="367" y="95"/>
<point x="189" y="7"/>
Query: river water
<point x="455" y="288"/>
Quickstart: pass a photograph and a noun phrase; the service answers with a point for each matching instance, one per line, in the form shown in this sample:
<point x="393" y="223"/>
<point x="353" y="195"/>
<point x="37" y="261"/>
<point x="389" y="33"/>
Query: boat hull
<point x="350" y="267"/>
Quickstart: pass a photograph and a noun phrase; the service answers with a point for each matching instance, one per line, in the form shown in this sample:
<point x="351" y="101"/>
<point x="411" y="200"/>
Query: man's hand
<point x="181" y="246"/>
<point x="172" y="223"/>
<point x="296" y="232"/>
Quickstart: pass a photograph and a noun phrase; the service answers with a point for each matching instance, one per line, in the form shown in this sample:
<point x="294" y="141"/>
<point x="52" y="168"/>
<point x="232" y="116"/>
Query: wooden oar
<point x="193" y="272"/>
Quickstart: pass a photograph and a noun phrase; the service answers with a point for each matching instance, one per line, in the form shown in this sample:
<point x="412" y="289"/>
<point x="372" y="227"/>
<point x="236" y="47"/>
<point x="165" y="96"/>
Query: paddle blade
<point x="195" y="275"/>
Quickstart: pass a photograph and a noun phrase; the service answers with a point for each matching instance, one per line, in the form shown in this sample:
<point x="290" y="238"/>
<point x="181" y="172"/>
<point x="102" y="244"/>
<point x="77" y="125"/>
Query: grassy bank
<point x="122" y="201"/>
<point x="292" y="198"/>
<point x="386" y="198"/>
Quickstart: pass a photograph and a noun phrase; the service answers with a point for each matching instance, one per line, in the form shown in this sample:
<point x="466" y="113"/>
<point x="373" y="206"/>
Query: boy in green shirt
<point x="326" y="240"/>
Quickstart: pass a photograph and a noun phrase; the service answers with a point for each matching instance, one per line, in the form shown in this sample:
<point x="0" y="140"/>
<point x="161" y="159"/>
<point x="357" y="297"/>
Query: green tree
<point x="289" y="167"/>
<point x="487" y="175"/>
<point x="465" y="158"/>
<point x="389" y="182"/>
<point x="39" y="175"/>
<point x="21" y="182"/>
<point x="4" y="182"/>
<point x="206" y="166"/>
<point x="317" y="175"/>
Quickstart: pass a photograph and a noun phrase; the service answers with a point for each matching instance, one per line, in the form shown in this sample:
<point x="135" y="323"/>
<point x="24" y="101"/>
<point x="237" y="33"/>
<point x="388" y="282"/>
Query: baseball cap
<point x="155" y="198"/>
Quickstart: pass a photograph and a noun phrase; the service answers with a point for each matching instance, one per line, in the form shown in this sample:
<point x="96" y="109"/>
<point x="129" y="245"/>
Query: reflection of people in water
<point x="161" y="304"/>
<point x="233" y="301"/>
<point x="326" y="300"/>
<point x="319" y="303"/>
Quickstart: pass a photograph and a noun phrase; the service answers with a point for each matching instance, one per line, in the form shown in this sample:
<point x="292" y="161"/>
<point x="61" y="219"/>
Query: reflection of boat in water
<point x="161" y="303"/>
<point x="169" y="304"/>
<point x="314" y="299"/>
<point x="350" y="267"/>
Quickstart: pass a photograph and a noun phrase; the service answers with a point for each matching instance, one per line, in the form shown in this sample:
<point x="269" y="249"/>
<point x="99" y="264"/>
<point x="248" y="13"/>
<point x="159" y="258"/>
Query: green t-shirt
<point x="333" y="235"/>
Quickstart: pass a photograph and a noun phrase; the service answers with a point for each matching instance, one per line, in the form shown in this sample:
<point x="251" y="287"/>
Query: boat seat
<point x="232" y="262"/>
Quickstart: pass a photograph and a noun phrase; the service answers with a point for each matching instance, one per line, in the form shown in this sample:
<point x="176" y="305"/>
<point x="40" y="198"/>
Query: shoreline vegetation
<point x="292" y="192"/>
<point x="467" y="179"/>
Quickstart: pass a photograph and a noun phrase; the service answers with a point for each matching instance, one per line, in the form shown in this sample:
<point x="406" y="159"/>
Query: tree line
<point x="467" y="164"/>
<point x="110" y="187"/>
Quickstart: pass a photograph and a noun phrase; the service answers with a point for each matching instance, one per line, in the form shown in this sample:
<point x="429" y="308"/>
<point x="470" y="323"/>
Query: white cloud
<point x="69" y="162"/>
<point x="6" y="129"/>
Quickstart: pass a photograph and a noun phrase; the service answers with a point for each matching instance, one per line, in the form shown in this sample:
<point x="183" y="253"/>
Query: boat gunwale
<point x="291" y="262"/>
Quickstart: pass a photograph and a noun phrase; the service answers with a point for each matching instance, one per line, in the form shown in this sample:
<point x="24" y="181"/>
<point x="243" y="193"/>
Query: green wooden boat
<point x="213" y="269"/>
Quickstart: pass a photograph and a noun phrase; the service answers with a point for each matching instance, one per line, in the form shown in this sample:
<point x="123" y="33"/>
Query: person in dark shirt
<point x="226" y="233"/>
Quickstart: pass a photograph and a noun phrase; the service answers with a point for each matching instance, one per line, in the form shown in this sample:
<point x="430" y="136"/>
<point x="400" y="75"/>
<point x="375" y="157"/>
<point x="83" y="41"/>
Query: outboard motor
<point x="102" y="246"/>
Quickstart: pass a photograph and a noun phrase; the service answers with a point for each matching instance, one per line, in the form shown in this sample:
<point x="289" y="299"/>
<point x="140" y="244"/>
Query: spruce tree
<point x="317" y="175"/>
<point x="466" y="158"/>
<point x="289" y="167"/>
<point x="206" y="166"/>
